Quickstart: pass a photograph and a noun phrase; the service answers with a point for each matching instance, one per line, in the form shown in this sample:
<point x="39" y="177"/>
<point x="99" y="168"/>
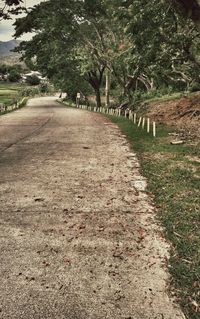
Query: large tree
<point x="77" y="41"/>
<point x="63" y="29"/>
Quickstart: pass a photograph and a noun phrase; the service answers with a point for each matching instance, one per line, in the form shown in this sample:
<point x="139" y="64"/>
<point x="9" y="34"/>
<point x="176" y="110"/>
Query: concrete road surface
<point x="78" y="237"/>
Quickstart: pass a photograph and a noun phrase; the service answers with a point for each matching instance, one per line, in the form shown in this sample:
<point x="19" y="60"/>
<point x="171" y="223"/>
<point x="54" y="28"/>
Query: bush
<point x="14" y="76"/>
<point x="30" y="92"/>
<point x="46" y="88"/>
<point x="33" y="80"/>
<point x="195" y="87"/>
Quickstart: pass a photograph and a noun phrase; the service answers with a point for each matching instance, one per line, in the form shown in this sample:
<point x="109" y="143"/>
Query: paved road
<point x="78" y="236"/>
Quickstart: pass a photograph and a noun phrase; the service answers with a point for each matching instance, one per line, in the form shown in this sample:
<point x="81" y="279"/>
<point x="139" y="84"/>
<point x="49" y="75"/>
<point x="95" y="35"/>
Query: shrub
<point x="33" y="80"/>
<point x="30" y="92"/>
<point x="14" y="76"/>
<point x="195" y="87"/>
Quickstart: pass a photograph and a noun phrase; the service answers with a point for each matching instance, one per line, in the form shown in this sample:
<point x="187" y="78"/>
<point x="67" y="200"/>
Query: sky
<point x="6" y="28"/>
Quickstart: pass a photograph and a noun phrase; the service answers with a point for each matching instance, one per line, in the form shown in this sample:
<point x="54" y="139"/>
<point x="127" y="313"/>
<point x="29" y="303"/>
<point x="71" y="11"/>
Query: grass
<point x="21" y="103"/>
<point x="166" y="97"/>
<point x="173" y="174"/>
<point x="9" y="92"/>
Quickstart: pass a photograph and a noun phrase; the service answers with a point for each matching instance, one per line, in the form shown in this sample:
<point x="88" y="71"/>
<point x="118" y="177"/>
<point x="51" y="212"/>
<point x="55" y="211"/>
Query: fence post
<point x="140" y="119"/>
<point x="143" y="122"/>
<point x="154" y="129"/>
<point x="135" y="118"/>
<point x="148" y="125"/>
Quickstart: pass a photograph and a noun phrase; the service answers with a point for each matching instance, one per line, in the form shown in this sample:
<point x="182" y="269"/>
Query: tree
<point x="162" y="49"/>
<point x="79" y="42"/>
<point x="14" y="76"/>
<point x="62" y="34"/>
<point x="10" y="7"/>
<point x="3" y="69"/>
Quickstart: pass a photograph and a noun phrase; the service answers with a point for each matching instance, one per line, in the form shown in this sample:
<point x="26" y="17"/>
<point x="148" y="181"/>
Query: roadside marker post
<point x="143" y="122"/>
<point x="78" y="96"/>
<point x="135" y="118"/>
<point x="148" y="125"/>
<point x="154" y="129"/>
<point x="140" y="120"/>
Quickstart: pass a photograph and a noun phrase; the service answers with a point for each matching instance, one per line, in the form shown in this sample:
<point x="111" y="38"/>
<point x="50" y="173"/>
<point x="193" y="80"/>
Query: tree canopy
<point x="141" y="45"/>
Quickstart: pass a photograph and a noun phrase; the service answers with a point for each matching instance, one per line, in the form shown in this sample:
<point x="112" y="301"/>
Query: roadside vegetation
<point x="9" y="93"/>
<point x="95" y="47"/>
<point x="173" y="174"/>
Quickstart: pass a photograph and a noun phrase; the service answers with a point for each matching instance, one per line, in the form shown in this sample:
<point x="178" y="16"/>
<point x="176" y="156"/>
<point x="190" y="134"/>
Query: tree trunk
<point x="107" y="89"/>
<point x="98" y="97"/>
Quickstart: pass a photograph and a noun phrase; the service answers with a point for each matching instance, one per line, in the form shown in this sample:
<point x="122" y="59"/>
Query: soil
<point x="79" y="237"/>
<point x="183" y="113"/>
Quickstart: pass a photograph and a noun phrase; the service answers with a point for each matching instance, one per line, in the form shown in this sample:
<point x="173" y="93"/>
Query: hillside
<point x="6" y="47"/>
<point x="182" y="113"/>
<point x="6" y="54"/>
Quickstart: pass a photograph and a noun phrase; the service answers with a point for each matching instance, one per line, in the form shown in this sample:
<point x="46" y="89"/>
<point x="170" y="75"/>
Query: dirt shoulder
<point x="183" y="113"/>
<point x="78" y="232"/>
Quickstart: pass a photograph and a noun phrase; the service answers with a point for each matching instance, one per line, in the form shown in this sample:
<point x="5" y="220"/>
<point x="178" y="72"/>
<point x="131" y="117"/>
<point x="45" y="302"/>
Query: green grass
<point x="173" y="174"/>
<point x="167" y="97"/>
<point x="9" y="92"/>
<point x="21" y="103"/>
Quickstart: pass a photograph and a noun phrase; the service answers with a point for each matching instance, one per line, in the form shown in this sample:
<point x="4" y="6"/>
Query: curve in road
<point x="78" y="231"/>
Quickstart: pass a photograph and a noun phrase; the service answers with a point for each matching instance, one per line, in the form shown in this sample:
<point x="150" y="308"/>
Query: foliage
<point x="13" y="72"/>
<point x="77" y="41"/>
<point x="14" y="76"/>
<point x="195" y="87"/>
<point x="10" y="7"/>
<point x="33" y="80"/>
<point x="45" y="88"/>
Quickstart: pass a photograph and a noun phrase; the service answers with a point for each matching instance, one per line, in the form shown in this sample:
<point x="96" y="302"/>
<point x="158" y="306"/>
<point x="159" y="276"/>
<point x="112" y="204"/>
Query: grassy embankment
<point x="173" y="174"/>
<point x="9" y="92"/>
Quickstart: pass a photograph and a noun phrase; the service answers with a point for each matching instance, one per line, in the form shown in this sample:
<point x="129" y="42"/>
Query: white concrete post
<point x="143" y="122"/>
<point x="140" y="120"/>
<point x="154" y="129"/>
<point x="135" y="118"/>
<point x="148" y="125"/>
<point x="130" y="115"/>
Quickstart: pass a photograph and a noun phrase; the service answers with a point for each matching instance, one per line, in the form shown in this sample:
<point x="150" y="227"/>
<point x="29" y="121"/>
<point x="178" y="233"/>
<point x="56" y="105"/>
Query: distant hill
<point x="6" y="55"/>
